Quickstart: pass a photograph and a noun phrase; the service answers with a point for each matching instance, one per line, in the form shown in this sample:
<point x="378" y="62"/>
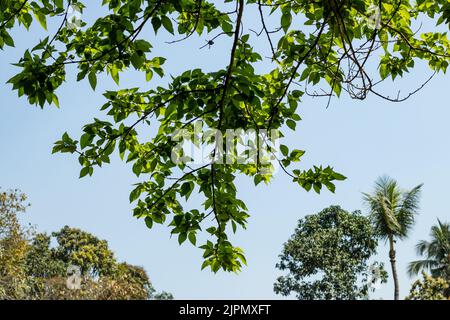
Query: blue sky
<point x="363" y="140"/>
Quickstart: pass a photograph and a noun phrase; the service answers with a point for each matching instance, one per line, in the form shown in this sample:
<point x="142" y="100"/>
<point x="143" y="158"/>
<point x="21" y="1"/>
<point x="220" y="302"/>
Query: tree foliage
<point x="31" y="268"/>
<point x="327" y="257"/>
<point x="13" y="245"/>
<point x="429" y="288"/>
<point x="325" y="44"/>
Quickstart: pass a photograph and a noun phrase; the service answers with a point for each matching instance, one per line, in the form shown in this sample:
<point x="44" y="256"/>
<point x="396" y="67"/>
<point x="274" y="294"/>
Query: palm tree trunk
<point x="394" y="268"/>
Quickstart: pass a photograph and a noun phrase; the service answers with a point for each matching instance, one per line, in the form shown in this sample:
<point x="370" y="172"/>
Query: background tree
<point x="83" y="249"/>
<point x="392" y="213"/>
<point x="334" y="46"/>
<point x="13" y="246"/>
<point x="327" y="257"/>
<point x="31" y="268"/>
<point x="436" y="252"/>
<point x="429" y="288"/>
<point x="127" y="283"/>
<point x="102" y="277"/>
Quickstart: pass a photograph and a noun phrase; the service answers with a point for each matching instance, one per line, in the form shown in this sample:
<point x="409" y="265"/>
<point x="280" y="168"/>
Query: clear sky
<point x="363" y="140"/>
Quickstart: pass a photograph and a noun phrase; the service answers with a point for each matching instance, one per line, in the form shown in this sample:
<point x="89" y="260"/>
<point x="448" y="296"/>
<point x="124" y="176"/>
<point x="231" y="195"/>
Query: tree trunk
<point x="394" y="268"/>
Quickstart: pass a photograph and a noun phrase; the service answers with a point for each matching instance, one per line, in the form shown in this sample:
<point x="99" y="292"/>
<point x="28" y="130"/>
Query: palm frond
<point x="380" y="216"/>
<point x="422" y="247"/>
<point x="415" y="267"/>
<point x="382" y="205"/>
<point x="436" y="252"/>
<point x="407" y="210"/>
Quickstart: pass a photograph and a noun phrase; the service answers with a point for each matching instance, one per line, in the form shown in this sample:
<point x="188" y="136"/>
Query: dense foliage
<point x="328" y="257"/>
<point x="13" y="245"/>
<point x="429" y="288"/>
<point x="327" y="44"/>
<point x="31" y="268"/>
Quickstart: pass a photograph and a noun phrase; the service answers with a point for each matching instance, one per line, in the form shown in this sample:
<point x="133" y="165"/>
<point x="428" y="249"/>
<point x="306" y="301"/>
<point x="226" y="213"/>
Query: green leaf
<point x="192" y="238"/>
<point x="149" y="222"/>
<point x="286" y="20"/>
<point x="85" y="140"/>
<point x="317" y="187"/>
<point x="167" y="24"/>
<point x="182" y="237"/>
<point x="92" y="79"/>
<point x="137" y="61"/>
<point x="284" y="150"/>
<point x="156" y="22"/>
<point x="7" y="39"/>
<point x="40" y="17"/>
<point x="330" y="186"/>
<point x="291" y="124"/>
<point x="296" y="155"/>
<point x="384" y="72"/>
<point x="134" y="195"/>
<point x="148" y="75"/>
<point x="85" y="171"/>
<point x="205" y="264"/>
<point x="339" y="176"/>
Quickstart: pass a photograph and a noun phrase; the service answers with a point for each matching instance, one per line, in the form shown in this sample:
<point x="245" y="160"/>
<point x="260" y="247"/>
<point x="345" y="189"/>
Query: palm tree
<point x="436" y="252"/>
<point x="392" y="213"/>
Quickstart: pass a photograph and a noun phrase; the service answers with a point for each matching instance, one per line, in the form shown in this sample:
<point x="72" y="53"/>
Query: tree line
<point x="331" y="255"/>
<point x="79" y="266"/>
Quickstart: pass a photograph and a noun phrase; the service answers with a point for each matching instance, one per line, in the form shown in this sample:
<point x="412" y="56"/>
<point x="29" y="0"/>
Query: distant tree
<point x="429" y="288"/>
<point x="163" y="296"/>
<point x="436" y="252"/>
<point x="327" y="257"/>
<point x="31" y="268"/>
<point x="101" y="276"/>
<point x="40" y="258"/>
<point x="77" y="247"/>
<point x="13" y="246"/>
<point x="392" y="213"/>
<point x="127" y="283"/>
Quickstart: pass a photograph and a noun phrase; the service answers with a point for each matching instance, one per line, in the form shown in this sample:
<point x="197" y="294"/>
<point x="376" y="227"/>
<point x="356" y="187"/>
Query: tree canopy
<point x="79" y="266"/>
<point x="329" y="45"/>
<point x="328" y="255"/>
<point x="13" y="245"/>
<point x="429" y="288"/>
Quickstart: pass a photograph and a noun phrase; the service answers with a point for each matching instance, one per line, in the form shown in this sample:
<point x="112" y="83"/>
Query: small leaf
<point x="291" y="124"/>
<point x="149" y="222"/>
<point x="284" y="150"/>
<point x="137" y="61"/>
<point x="182" y="237"/>
<point x="339" y="176"/>
<point x="85" y="140"/>
<point x="192" y="238"/>
<point x="286" y="20"/>
<point x="92" y="79"/>
<point x="84" y="172"/>
<point x="167" y="23"/>
<point x="42" y="19"/>
<point x="156" y="22"/>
